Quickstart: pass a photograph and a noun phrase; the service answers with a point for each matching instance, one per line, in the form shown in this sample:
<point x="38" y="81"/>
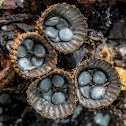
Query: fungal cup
<point x="97" y="83"/>
<point x="53" y="96"/>
<point x="64" y="26"/>
<point x="32" y="55"/>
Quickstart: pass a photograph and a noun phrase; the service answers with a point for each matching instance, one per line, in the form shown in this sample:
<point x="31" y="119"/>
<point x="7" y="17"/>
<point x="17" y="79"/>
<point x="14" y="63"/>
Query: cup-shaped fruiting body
<point x="53" y="95"/>
<point x="32" y="55"/>
<point x="105" y="52"/>
<point x="64" y="26"/>
<point x="97" y="83"/>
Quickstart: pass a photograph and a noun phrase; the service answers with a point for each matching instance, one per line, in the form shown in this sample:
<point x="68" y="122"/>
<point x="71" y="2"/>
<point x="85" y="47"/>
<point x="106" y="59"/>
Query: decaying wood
<point x="15" y="18"/>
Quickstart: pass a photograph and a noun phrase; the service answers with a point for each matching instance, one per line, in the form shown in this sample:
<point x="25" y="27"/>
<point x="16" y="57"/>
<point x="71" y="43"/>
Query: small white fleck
<point x="39" y="108"/>
<point x="22" y="1"/>
<point x="4" y="27"/>
<point x="121" y="71"/>
<point x="8" y="44"/>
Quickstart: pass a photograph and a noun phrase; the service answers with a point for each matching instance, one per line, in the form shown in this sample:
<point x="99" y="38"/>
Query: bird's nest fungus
<point x="62" y="28"/>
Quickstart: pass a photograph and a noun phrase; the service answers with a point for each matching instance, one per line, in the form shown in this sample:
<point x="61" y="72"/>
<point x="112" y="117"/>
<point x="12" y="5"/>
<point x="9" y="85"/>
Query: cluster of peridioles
<point x="62" y="28"/>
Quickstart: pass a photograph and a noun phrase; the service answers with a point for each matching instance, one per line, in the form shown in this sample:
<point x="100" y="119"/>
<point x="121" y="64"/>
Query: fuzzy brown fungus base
<point x="6" y="74"/>
<point x="105" y="52"/>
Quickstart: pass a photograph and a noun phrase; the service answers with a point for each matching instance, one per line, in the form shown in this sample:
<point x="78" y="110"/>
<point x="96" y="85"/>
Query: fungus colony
<point x="62" y="27"/>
